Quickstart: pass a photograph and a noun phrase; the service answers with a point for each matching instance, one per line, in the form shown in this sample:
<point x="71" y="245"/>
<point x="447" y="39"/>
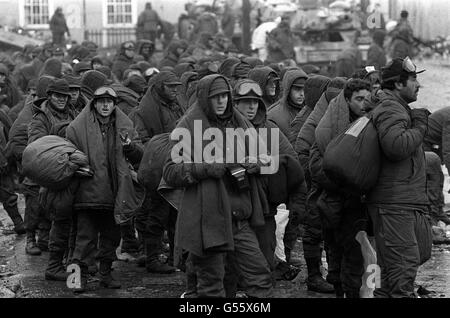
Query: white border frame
<point x="134" y="8"/>
<point x="51" y="10"/>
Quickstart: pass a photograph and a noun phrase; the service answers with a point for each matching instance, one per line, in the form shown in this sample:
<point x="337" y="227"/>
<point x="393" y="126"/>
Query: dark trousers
<point x="154" y="217"/>
<point x="8" y="197"/>
<point x="313" y="233"/>
<point x="345" y="260"/>
<point x="35" y="216"/>
<point x="435" y="184"/>
<point x="96" y="226"/>
<point x="267" y="240"/>
<point x="60" y="205"/>
<point x="403" y="243"/>
<point x="58" y="38"/>
<point x="252" y="267"/>
<point x="150" y="35"/>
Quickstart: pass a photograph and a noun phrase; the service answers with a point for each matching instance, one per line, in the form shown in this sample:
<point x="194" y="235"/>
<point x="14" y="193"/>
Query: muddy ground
<point x="22" y="275"/>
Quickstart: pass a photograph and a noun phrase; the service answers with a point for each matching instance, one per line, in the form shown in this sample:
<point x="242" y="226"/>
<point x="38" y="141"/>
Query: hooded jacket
<point x="186" y="97"/>
<point x="182" y="68"/>
<point x="226" y="68"/>
<point x="333" y="200"/>
<point x="402" y="178"/>
<point x="261" y="76"/>
<point x="18" y="135"/>
<point x="121" y="63"/>
<point x="315" y="86"/>
<point x="95" y="193"/>
<point x="127" y="99"/>
<point x="171" y="56"/>
<point x="287" y="185"/>
<point x="155" y="115"/>
<point x="282" y="113"/>
<point x="148" y="58"/>
<point x="205" y="209"/>
<point x="306" y="136"/>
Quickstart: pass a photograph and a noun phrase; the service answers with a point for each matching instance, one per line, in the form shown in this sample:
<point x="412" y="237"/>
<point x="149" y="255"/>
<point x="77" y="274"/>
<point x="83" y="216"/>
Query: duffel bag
<point x="352" y="159"/>
<point x="51" y="161"/>
<point x="155" y="155"/>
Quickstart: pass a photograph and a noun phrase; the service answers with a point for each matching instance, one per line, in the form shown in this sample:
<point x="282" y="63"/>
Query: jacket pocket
<point x="398" y="227"/>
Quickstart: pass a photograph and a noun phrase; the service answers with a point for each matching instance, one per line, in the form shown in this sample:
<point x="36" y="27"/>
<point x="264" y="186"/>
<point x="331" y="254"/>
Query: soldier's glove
<point x="84" y="172"/>
<point x="253" y="165"/>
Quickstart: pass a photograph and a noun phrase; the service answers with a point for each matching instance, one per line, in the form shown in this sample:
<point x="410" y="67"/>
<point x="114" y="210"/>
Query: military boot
<point x="315" y="281"/>
<point x="43" y="238"/>
<point x="31" y="248"/>
<point x="15" y="216"/>
<point x="152" y="262"/>
<point x="130" y="243"/>
<point x="81" y="286"/>
<point x="55" y="268"/>
<point x="106" y="279"/>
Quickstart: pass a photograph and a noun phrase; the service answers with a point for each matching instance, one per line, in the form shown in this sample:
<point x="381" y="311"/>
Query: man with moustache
<point x="51" y="117"/>
<point x="398" y="204"/>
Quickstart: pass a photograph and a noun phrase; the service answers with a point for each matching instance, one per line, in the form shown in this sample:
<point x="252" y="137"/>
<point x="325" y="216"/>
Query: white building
<point x="106" y="22"/>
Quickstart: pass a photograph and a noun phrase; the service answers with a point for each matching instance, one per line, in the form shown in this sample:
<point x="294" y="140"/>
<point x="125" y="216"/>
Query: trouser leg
<point x="253" y="267"/>
<point x="210" y="272"/>
<point x="352" y="266"/>
<point x="32" y="208"/>
<point x="191" y="279"/>
<point x="87" y="237"/>
<point x="397" y="231"/>
<point x="109" y="238"/>
<point x="9" y="200"/>
<point x="435" y="185"/>
<point x="267" y="240"/>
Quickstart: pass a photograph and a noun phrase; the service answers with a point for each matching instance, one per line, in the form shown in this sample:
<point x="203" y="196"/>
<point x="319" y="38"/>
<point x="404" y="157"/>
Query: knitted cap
<point x="52" y="67"/>
<point x="218" y="86"/>
<point x="42" y="85"/>
<point x="105" y="70"/>
<point x="136" y="83"/>
<point x="59" y="86"/>
<point x="91" y="80"/>
<point x="241" y="70"/>
<point x="74" y="81"/>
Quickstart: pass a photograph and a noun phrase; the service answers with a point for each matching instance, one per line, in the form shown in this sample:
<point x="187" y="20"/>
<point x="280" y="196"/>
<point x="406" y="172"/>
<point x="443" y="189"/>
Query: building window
<point x="36" y="12"/>
<point x="120" y="13"/>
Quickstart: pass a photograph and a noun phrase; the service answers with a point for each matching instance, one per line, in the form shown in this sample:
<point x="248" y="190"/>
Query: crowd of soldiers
<point x="221" y="232"/>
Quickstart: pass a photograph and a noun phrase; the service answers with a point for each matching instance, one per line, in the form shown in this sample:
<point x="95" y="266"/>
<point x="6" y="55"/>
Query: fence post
<point x="104" y="38"/>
